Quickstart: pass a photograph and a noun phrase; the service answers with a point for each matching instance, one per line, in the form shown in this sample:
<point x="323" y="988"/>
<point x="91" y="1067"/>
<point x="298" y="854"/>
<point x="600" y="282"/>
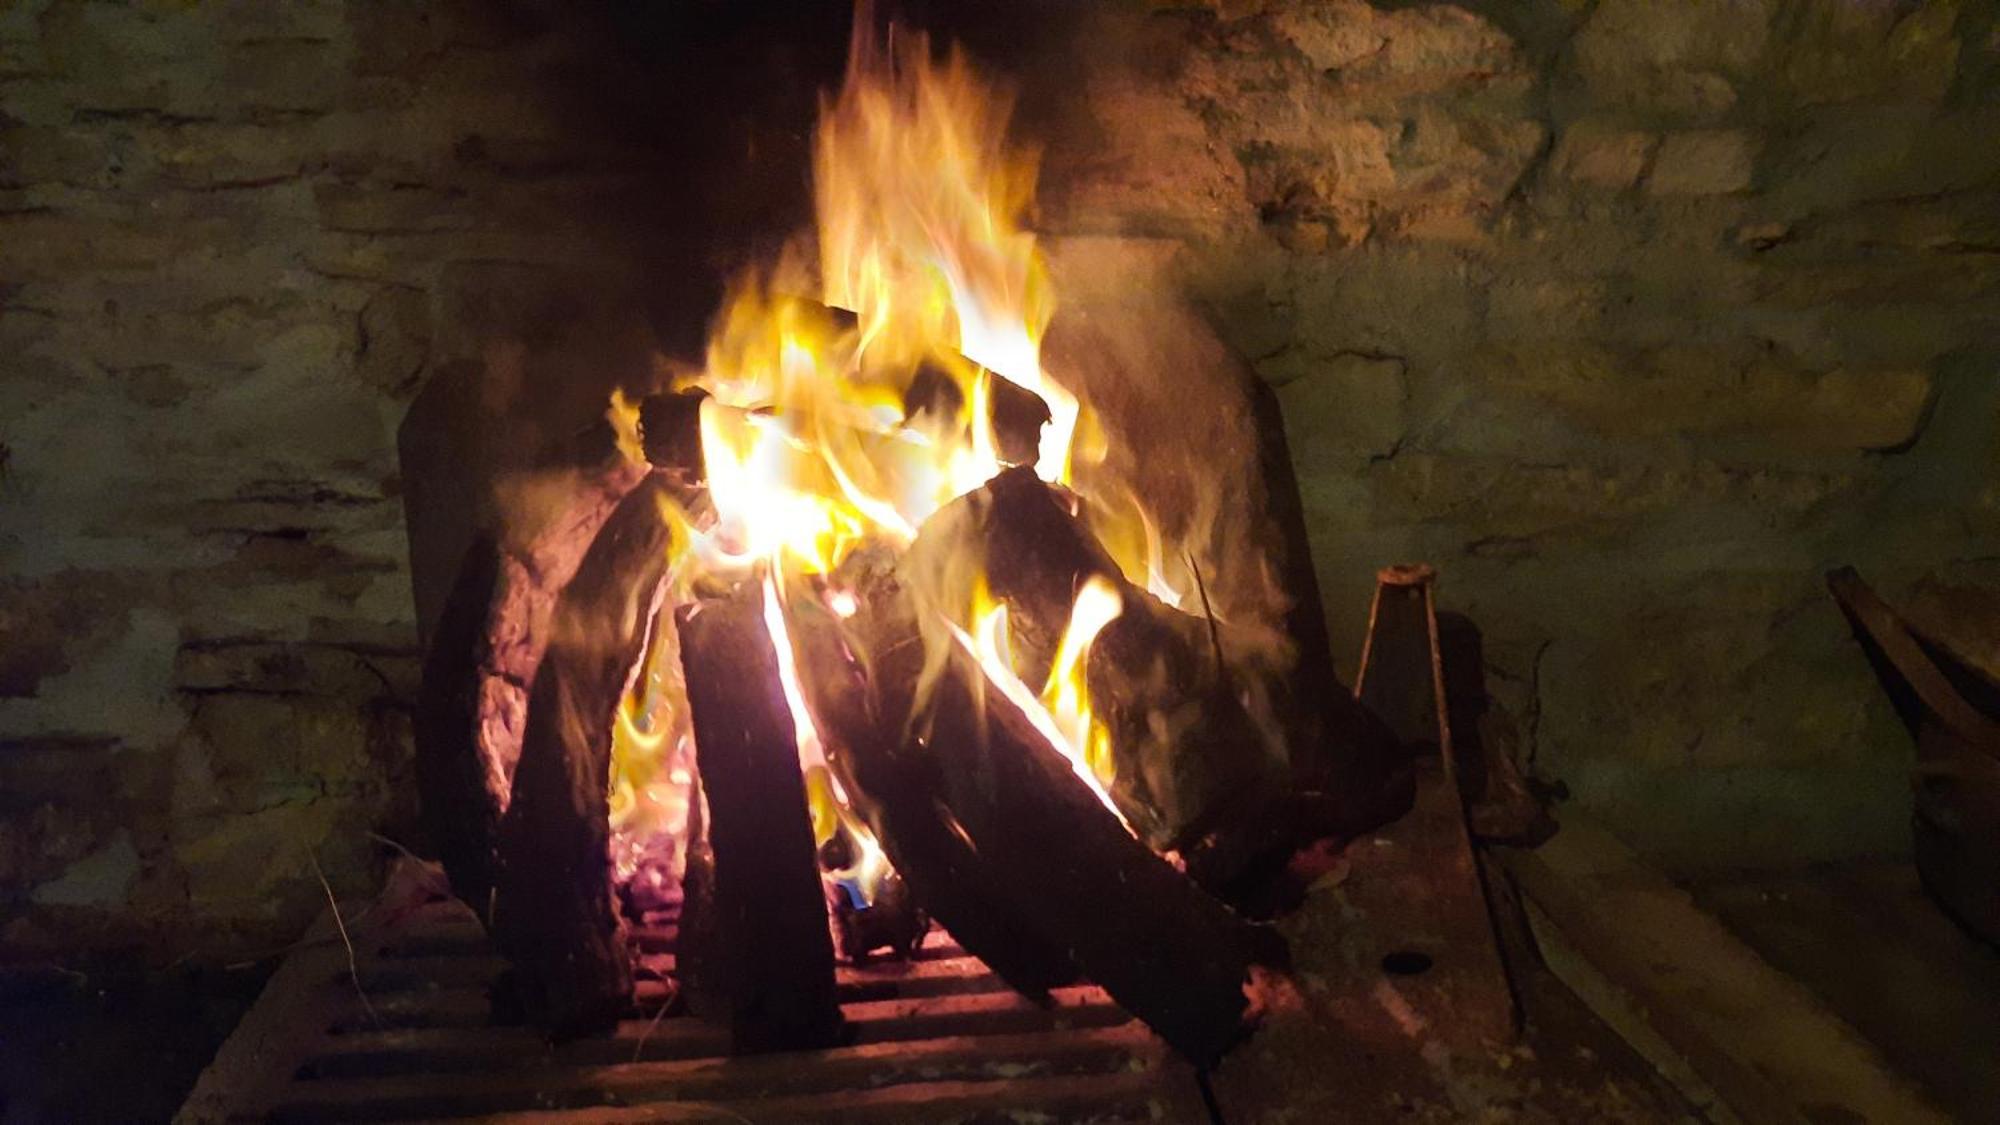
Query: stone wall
<point x="235" y="238"/>
<point x="1632" y="316"/>
<point x="1635" y="317"/>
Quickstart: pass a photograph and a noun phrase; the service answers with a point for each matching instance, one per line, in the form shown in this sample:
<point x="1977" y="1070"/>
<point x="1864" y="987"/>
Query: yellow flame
<point x="1067" y="694"/>
<point x="921" y="204"/>
<point x="1062" y="715"/>
<point x="827" y="801"/>
<point x="650" y="787"/>
<point x="623" y="415"/>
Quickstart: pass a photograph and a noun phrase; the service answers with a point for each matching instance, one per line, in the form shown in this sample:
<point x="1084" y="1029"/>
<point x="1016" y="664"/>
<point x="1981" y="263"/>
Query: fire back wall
<point x="1632" y="317"/>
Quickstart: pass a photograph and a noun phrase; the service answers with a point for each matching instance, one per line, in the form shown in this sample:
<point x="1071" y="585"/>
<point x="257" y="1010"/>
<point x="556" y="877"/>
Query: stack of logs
<point x="989" y="826"/>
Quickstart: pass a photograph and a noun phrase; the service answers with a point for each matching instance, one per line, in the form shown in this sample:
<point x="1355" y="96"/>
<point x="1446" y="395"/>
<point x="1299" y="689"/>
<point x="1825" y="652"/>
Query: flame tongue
<point x="1061" y="714"/>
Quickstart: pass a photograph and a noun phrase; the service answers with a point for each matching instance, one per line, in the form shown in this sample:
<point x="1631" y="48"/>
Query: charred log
<point x="554" y="912"/>
<point x="1236" y="793"/>
<point x="860" y="705"/>
<point x="1018" y="415"/>
<point x="1171" y="955"/>
<point x="701" y="963"/>
<point x="1012" y="851"/>
<point x="483" y="652"/>
<point x="670" y="431"/>
<point x="461" y="808"/>
<point x="769" y="907"/>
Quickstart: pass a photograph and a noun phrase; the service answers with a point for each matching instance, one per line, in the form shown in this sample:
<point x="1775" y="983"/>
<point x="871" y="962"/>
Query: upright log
<point x="484" y="647"/>
<point x="461" y="802"/>
<point x="554" y="912"/>
<point x="770" y="911"/>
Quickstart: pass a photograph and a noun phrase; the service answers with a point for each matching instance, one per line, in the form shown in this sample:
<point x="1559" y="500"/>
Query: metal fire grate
<point x="937" y="1039"/>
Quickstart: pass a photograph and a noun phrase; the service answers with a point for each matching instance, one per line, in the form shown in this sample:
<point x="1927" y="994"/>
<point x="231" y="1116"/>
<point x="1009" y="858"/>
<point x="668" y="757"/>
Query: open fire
<point x="824" y="428"/>
<point x="881" y="621"/>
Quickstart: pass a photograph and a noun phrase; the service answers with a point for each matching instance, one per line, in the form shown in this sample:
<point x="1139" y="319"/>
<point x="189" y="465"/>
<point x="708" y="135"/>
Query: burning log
<point x="891" y="922"/>
<point x="1196" y="771"/>
<point x="484" y="649"/>
<point x="669" y="423"/>
<point x="554" y="911"/>
<point x="975" y="804"/>
<point x="861" y="707"/>
<point x="1167" y="952"/>
<point x="770" y="910"/>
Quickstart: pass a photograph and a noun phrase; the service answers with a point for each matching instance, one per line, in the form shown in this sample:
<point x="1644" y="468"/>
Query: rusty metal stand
<point x="1418" y="880"/>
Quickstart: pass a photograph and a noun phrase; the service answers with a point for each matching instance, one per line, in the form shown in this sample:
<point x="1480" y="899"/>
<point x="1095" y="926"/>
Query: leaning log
<point x="859" y="686"/>
<point x="554" y="912"/>
<point x="484" y="647"/>
<point x="770" y="910"/>
<point x="1171" y="955"/>
<point x="461" y="800"/>
<point x="1235" y="791"/>
<point x="1034" y="850"/>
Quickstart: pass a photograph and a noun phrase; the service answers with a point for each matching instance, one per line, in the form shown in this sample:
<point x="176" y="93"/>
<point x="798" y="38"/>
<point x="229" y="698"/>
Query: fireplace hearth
<point x="905" y="605"/>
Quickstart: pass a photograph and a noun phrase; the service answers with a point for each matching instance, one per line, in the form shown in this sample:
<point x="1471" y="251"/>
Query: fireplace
<point x="933" y="593"/>
<point x="1634" y="320"/>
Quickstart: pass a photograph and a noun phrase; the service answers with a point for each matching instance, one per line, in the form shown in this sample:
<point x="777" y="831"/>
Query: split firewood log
<point x="1026" y="844"/>
<point x="1233" y="787"/>
<point x="770" y="910"/>
<point x="859" y="679"/>
<point x="485" y="647"/>
<point x="554" y="913"/>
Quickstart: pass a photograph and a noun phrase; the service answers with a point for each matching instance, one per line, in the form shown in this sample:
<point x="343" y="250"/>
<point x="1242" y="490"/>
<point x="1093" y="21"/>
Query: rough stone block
<point x="1772" y="412"/>
<point x="1147" y="164"/>
<point x="264" y="748"/>
<point x="286" y="75"/>
<point x="1703" y="162"/>
<point x="1874" y="410"/>
<point x="1832" y="51"/>
<point x="266" y="668"/>
<point x="1603" y="155"/>
<point x="394" y="340"/>
<point x="1674" y="59"/>
<point x="1413" y="50"/>
<point x="102" y="879"/>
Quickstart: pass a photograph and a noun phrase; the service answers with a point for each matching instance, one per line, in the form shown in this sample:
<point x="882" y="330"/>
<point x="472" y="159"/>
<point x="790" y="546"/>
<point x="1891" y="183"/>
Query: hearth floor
<point x="936" y="1039"/>
<point x="1868" y="942"/>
